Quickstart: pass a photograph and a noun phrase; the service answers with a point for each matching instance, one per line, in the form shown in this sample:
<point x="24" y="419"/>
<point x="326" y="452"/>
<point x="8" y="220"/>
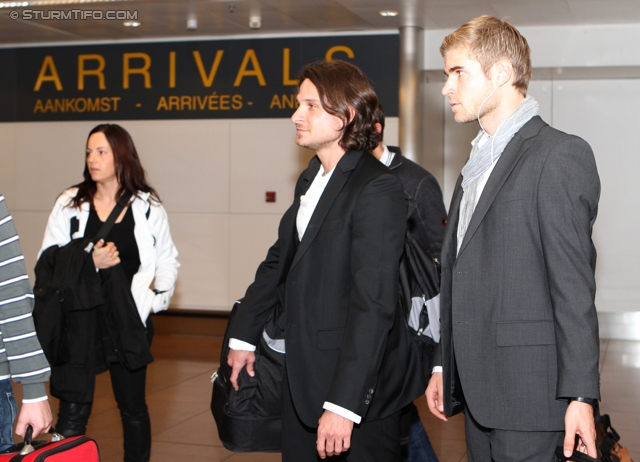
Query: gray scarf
<point x="483" y="157"/>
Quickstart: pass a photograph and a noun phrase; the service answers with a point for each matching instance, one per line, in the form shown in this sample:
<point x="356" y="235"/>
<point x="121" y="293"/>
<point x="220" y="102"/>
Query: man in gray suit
<point x="519" y="342"/>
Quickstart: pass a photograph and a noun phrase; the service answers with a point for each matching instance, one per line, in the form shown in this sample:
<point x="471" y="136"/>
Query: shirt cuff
<point x="236" y="344"/>
<point x="33" y="391"/>
<point x="35" y="400"/>
<point x="436" y="369"/>
<point x="342" y="412"/>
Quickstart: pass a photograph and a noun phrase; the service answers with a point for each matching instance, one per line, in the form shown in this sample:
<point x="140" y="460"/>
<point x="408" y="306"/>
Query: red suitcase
<point x="59" y="449"/>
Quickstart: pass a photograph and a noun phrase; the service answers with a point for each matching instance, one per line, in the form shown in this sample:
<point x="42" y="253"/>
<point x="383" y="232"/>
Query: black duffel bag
<point x="250" y="420"/>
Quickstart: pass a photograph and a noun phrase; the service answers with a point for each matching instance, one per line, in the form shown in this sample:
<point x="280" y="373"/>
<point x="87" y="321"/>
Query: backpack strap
<point x="113" y="216"/>
<point x="74" y="226"/>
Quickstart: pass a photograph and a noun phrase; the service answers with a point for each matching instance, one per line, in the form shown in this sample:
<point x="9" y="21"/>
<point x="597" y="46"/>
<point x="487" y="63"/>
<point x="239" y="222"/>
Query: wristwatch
<point x="592" y="401"/>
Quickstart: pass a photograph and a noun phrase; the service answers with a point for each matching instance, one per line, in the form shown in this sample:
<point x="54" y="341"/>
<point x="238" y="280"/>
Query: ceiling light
<point x="131" y="24"/>
<point x="192" y="22"/>
<point x="388" y="13"/>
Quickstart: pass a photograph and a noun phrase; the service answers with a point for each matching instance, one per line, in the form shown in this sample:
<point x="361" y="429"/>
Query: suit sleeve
<point x="568" y="193"/>
<point x="261" y="297"/>
<point x="378" y="229"/>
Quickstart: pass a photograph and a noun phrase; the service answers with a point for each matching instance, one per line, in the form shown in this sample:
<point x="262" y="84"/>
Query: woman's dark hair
<point x="131" y="176"/>
<point x="345" y="92"/>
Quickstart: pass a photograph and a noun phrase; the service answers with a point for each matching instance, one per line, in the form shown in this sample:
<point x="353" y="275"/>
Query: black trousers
<point x="129" y="391"/>
<point x="370" y="441"/>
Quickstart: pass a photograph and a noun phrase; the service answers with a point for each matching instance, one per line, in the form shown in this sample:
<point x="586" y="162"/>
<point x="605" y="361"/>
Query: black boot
<point x="73" y="418"/>
<point x="137" y="436"/>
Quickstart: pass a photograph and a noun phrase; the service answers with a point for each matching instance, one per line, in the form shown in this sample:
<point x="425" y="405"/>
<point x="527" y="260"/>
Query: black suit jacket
<point x="518" y="316"/>
<point x="346" y="339"/>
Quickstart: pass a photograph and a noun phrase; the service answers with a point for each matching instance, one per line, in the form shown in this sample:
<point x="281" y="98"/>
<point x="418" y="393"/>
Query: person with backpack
<point x="426" y="223"/>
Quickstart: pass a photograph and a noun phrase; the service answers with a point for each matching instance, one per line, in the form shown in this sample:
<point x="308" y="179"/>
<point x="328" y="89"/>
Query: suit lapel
<point x="508" y="160"/>
<point x="449" y="245"/>
<point x="338" y="179"/>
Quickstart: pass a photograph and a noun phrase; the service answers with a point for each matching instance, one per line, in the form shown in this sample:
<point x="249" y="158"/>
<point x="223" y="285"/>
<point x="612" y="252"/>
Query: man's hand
<point x="334" y="435"/>
<point x="105" y="255"/>
<point x="238" y="359"/>
<point x="578" y="421"/>
<point x="38" y="415"/>
<point x="435" y="397"/>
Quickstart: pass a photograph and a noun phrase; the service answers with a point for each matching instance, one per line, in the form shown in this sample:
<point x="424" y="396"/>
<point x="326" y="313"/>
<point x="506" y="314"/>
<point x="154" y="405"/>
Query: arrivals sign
<point x="223" y="79"/>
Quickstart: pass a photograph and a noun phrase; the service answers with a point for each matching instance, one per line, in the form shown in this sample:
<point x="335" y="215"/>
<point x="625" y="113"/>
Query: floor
<point x="179" y="390"/>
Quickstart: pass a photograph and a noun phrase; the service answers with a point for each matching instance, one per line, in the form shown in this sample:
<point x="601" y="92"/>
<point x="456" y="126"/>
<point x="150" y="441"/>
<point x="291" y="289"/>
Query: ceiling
<point x="167" y="19"/>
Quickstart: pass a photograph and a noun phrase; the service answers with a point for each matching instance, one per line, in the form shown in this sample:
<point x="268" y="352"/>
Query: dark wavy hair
<point x="345" y="92"/>
<point x="129" y="172"/>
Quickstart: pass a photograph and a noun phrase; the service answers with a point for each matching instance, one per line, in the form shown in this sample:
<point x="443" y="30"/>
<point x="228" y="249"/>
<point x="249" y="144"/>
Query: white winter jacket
<point x="158" y="255"/>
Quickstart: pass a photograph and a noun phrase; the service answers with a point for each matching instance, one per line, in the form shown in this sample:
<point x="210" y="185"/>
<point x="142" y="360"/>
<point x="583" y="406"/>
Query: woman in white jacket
<point x="141" y="243"/>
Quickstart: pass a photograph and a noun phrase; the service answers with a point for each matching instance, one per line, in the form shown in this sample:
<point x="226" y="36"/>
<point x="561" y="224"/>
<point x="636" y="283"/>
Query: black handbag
<point x="250" y="420"/>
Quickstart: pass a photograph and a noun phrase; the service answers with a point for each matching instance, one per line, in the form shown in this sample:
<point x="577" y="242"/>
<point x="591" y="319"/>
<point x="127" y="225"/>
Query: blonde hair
<point x="488" y="40"/>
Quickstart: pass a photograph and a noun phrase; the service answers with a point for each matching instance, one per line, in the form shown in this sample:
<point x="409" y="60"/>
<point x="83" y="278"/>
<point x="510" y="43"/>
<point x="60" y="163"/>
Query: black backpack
<point x="420" y="298"/>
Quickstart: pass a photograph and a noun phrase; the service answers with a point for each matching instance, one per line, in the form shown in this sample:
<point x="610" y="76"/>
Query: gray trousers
<point x="492" y="445"/>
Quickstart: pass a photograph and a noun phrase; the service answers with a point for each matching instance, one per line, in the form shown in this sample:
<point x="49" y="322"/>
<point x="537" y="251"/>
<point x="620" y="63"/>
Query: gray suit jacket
<point x="519" y="323"/>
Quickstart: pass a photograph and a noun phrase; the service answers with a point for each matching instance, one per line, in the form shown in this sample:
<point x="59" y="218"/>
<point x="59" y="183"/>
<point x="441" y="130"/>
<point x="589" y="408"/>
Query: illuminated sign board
<point x="224" y="79"/>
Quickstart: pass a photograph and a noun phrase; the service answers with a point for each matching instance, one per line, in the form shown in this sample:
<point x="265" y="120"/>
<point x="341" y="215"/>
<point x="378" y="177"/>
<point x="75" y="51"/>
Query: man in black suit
<point x="519" y="331"/>
<point x="350" y="361"/>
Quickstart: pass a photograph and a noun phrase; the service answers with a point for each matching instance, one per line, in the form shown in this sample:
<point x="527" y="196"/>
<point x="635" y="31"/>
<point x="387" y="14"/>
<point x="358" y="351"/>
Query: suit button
<point x="367" y="401"/>
<point x="370" y="390"/>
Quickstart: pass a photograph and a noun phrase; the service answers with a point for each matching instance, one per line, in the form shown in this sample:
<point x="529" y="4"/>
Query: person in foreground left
<point x="21" y="357"/>
<point x="334" y="269"/>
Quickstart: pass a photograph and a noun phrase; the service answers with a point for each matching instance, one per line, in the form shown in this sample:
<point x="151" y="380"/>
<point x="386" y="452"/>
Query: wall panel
<point x="187" y="162"/>
<point x="604" y="112"/>
<point x="203" y="245"/>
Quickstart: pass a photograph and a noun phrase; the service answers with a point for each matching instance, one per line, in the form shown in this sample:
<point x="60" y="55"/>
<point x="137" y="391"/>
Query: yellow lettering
<point x="340" y="48"/>
<point x="93" y="105"/>
<point x="289" y="101"/>
<point x="172" y="69"/>
<point x="51" y="76"/>
<point x="84" y="104"/>
<point x="236" y="102"/>
<point x="104" y="104"/>
<point x="214" y="101"/>
<point x="250" y="55"/>
<point x="185" y="102"/>
<point x="207" y="79"/>
<point x="127" y="70"/>
<point x="59" y="105"/>
<point x="174" y="101"/>
<point x="162" y="104"/>
<point x="39" y="106"/>
<point x="201" y="102"/>
<point x="275" y="102"/>
<point x="98" y="72"/>
<point x="48" y="106"/>
<point x="286" y="68"/>
<point x="114" y="100"/>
